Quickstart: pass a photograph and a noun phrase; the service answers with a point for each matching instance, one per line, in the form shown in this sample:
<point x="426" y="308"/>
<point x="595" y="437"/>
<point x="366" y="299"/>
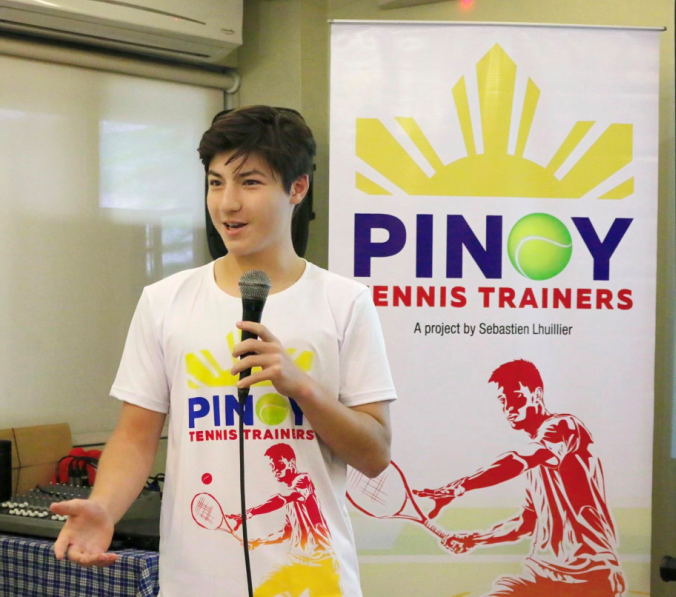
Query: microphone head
<point x="254" y="285"/>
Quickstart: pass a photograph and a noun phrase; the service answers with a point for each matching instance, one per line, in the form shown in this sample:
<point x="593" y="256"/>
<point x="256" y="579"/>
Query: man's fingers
<point x="439" y="504"/>
<point x="254" y="378"/>
<point x="250" y="362"/>
<point x="69" y="508"/>
<point x="102" y="559"/>
<point x="61" y="546"/>
<point x="253" y="346"/>
<point x="423" y="492"/>
<point x="450" y="544"/>
<point x="77" y="555"/>
<point x="257" y="328"/>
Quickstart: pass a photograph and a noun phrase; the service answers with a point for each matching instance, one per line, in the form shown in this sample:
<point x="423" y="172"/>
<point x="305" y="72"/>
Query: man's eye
<point x="251" y="182"/>
<point x="214" y="183"/>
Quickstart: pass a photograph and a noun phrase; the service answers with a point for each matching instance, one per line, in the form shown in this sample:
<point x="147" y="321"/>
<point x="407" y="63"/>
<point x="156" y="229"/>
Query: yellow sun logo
<point x="495" y="172"/>
<point x="205" y="371"/>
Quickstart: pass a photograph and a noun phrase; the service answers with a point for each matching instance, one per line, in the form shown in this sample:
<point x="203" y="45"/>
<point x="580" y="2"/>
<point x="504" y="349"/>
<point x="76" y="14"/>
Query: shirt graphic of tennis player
<point x="573" y="551"/>
<point x="312" y="565"/>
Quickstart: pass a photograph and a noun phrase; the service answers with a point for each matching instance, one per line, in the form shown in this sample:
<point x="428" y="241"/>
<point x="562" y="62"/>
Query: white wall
<point x="101" y="193"/>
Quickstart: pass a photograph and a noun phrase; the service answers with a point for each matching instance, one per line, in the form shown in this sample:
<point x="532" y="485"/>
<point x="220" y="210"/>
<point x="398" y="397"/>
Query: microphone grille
<point x="254" y="285"/>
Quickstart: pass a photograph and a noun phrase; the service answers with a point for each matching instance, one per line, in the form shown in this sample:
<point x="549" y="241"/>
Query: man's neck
<point x="283" y="267"/>
<point x="532" y="426"/>
<point x="290" y="477"/>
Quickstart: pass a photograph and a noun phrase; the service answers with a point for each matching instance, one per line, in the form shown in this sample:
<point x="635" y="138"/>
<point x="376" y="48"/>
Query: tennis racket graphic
<point x="388" y="496"/>
<point x="207" y="512"/>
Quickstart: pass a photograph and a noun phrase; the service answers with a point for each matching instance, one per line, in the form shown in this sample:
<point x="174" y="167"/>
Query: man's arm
<point x="506" y="467"/>
<point x="276" y="537"/>
<point x="274" y="503"/>
<point x="121" y="475"/>
<point x="127" y="459"/>
<point x="507" y="531"/>
<point x="360" y="436"/>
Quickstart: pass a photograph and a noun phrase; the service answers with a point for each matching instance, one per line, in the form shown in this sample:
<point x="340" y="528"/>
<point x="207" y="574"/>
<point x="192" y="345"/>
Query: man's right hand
<point x="235" y="518"/>
<point x="86" y="535"/>
<point x="460" y="543"/>
<point x="442" y="496"/>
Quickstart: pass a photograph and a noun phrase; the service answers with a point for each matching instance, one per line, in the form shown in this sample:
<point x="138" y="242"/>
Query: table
<point x="28" y="568"/>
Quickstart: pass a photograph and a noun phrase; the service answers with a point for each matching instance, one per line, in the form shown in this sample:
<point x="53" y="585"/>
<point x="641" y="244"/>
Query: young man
<point x="320" y="377"/>
<point x="311" y="563"/>
<point x="574" y="549"/>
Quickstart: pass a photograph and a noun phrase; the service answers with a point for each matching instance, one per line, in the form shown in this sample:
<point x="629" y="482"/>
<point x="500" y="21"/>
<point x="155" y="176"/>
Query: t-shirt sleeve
<point x="365" y="375"/>
<point x="141" y="378"/>
<point x="560" y="435"/>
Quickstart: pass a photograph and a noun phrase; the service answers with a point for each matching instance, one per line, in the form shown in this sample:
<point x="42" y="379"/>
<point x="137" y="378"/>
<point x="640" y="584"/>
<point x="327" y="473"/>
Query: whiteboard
<point x="101" y="194"/>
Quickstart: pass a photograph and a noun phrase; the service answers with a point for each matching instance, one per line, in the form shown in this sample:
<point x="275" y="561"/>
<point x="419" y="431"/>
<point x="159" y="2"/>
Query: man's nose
<point x="230" y="199"/>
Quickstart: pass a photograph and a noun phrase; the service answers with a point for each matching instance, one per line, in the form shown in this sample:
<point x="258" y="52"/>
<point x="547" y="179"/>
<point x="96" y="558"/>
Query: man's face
<point x="280" y="467"/>
<point x="248" y="205"/>
<point x="518" y="403"/>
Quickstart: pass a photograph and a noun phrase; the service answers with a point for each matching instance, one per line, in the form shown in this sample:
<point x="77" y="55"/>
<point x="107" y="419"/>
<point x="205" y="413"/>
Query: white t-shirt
<point x="177" y="359"/>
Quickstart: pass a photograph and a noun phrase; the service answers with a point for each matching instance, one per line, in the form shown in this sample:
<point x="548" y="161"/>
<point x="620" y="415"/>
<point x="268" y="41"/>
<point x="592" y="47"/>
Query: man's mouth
<point x="234" y="225"/>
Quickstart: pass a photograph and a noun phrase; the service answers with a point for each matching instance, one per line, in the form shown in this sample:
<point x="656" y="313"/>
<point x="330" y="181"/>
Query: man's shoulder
<point x="559" y="427"/>
<point x="343" y="297"/>
<point x="335" y="284"/>
<point x="302" y="481"/>
<point x="163" y="291"/>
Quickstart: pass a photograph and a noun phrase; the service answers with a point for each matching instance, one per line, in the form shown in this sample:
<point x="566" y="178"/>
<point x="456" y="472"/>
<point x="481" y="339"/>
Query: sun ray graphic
<point x="495" y="172"/>
<point x="204" y="371"/>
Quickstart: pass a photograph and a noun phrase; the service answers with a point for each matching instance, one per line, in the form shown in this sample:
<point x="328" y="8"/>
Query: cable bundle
<point x="78" y="468"/>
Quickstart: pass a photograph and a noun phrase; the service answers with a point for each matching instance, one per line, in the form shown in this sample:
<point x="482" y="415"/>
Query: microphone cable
<point x="243" y="394"/>
<point x="254" y="287"/>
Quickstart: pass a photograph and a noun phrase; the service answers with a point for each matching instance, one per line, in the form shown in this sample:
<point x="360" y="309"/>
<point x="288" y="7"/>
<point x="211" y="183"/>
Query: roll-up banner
<point x="496" y="188"/>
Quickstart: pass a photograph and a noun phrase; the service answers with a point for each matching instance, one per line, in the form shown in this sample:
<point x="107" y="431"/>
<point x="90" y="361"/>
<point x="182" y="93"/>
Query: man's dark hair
<point x="518" y="372"/>
<point x="280" y="137"/>
<point x="279" y="451"/>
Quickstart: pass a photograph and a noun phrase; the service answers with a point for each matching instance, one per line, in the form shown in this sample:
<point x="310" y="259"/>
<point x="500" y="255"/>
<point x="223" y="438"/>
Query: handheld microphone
<point x="254" y="287"/>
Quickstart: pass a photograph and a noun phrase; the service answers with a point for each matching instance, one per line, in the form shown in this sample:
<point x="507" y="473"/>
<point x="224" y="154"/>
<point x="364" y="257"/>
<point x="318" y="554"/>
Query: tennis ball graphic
<point x="539" y="246"/>
<point x="272" y="409"/>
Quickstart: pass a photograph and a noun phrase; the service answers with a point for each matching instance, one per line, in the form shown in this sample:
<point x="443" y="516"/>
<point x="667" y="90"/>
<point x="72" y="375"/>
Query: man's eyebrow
<point x="250" y="172"/>
<point x="213" y="173"/>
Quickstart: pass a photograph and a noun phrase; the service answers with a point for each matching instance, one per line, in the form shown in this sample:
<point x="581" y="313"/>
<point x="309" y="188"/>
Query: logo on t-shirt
<point x="268" y="416"/>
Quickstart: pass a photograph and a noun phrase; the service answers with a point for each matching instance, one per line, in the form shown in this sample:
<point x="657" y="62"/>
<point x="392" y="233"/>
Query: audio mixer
<point x="29" y="513"/>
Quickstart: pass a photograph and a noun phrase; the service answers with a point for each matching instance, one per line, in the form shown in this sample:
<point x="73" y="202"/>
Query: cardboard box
<point x="35" y="452"/>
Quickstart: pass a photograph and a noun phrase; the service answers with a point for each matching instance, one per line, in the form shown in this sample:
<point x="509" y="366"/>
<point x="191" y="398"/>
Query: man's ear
<point x="299" y="189"/>
<point x="539" y="395"/>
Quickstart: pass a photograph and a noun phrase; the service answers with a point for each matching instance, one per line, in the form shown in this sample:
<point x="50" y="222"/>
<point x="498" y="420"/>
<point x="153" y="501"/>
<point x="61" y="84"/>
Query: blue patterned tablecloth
<point x="28" y="568"/>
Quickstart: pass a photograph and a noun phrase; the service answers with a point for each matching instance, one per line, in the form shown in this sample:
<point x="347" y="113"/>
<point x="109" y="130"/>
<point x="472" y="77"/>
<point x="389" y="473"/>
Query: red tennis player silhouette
<point x="312" y="565"/>
<point x="574" y="546"/>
